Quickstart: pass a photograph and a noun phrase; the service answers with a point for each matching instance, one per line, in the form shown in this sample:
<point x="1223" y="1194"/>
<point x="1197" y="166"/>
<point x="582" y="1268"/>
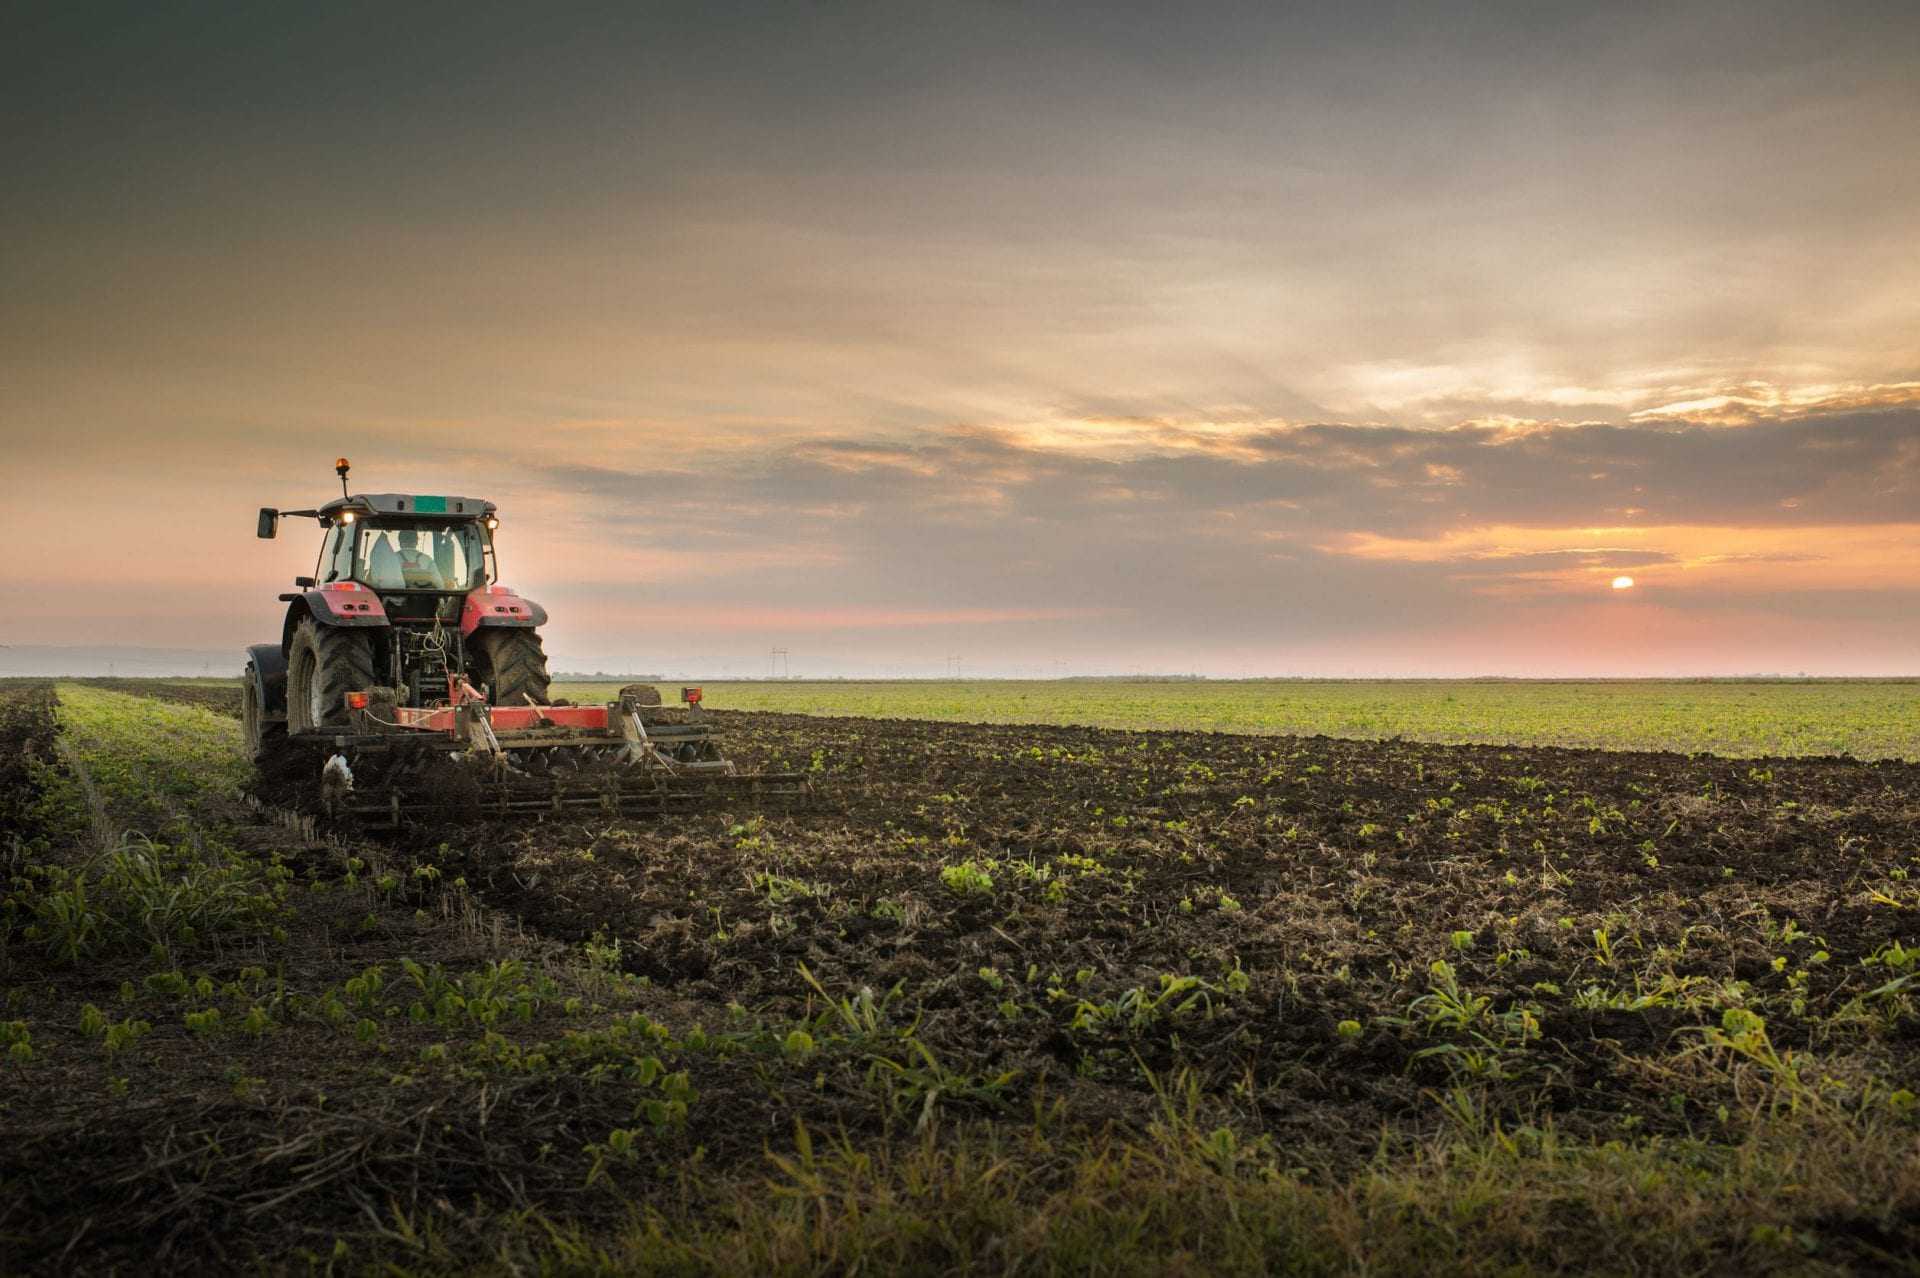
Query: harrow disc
<point x="387" y="781"/>
<point x="524" y="796"/>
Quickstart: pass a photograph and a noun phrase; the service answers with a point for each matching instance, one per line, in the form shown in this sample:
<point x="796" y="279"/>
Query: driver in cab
<point x="411" y="567"/>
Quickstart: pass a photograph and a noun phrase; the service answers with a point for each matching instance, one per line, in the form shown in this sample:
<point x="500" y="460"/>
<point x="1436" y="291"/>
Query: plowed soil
<point x="1005" y="880"/>
<point x="1330" y="956"/>
<point x="1026" y="894"/>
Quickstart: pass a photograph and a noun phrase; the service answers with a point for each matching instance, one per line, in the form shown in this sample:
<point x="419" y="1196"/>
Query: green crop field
<point x="992" y="998"/>
<point x="1869" y="719"/>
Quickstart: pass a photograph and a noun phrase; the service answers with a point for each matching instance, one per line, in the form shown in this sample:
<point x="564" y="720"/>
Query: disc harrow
<point x="465" y="760"/>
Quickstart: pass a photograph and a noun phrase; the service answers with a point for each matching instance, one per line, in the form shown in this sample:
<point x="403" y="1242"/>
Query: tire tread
<point x="343" y="663"/>
<point x="513" y="664"/>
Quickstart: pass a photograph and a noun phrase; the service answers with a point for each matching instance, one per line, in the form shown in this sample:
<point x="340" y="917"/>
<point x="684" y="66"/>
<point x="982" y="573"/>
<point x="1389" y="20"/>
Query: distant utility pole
<point x="778" y="667"/>
<point x="953" y="667"/>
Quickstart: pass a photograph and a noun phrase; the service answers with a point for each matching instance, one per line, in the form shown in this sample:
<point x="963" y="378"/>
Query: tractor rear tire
<point x="266" y="738"/>
<point x="511" y="663"/>
<point x="324" y="664"/>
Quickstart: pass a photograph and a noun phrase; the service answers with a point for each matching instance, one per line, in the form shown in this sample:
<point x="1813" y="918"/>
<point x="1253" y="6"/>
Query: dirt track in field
<point x="26" y="741"/>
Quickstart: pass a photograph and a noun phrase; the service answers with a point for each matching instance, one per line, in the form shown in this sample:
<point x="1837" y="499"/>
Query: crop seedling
<point x="968" y="879"/>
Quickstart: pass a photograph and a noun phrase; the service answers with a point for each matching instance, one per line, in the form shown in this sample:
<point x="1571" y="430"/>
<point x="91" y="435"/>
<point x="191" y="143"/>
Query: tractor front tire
<point x="511" y="663"/>
<point x="266" y="738"/>
<point x="324" y="664"/>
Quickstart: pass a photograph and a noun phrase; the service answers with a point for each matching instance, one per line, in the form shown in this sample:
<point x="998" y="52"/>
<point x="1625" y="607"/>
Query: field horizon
<point x="1746" y="718"/>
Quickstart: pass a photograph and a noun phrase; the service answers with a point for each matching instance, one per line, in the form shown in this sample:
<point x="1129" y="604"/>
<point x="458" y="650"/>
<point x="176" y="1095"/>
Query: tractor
<point x="402" y="654"/>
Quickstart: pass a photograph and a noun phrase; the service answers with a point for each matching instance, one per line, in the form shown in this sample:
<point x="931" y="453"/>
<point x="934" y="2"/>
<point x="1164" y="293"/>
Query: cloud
<point x="1166" y="537"/>
<point x="1759" y="401"/>
<point x="1320" y="479"/>
<point x="1284" y="333"/>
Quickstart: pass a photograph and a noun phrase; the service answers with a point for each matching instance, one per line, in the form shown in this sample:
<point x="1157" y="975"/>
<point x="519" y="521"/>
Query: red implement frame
<point x="463" y="696"/>
<point x="505" y="718"/>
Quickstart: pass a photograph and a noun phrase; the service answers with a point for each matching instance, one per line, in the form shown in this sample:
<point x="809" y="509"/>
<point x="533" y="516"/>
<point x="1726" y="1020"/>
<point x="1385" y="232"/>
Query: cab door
<point x="336" y="555"/>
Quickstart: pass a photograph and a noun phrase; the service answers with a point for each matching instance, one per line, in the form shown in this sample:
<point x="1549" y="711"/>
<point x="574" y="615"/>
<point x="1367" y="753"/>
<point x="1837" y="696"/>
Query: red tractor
<point x="402" y="649"/>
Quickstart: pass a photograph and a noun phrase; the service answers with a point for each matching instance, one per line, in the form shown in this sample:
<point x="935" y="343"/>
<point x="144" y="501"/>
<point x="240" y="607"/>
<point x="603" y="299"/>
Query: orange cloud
<point x="1753" y="401"/>
<point x="1508" y="559"/>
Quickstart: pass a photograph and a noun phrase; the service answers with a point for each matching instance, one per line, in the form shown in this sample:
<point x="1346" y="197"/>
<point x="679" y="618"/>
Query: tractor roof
<point x="421" y="504"/>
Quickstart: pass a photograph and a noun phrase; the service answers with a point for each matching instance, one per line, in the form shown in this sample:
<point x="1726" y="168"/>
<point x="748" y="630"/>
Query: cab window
<point x="400" y="556"/>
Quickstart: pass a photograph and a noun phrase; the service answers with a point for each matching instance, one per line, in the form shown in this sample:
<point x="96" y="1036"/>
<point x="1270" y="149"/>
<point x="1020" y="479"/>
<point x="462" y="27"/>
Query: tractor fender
<point x="339" y="603"/>
<point x="499" y="606"/>
<point x="267" y="667"/>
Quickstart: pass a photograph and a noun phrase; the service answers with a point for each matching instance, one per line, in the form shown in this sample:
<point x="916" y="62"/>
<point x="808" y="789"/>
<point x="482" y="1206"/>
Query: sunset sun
<point x="1623" y="583"/>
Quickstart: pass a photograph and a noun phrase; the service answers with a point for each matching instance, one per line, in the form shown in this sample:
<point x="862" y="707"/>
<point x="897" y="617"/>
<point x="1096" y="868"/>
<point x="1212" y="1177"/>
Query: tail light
<point x="357" y="701"/>
<point x="690" y="695"/>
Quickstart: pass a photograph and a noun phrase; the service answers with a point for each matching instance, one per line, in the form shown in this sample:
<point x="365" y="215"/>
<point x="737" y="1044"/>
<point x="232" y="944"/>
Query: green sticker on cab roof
<point x="430" y="505"/>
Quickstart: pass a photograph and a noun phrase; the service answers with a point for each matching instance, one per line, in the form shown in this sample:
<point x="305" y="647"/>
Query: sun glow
<point x="1623" y="583"/>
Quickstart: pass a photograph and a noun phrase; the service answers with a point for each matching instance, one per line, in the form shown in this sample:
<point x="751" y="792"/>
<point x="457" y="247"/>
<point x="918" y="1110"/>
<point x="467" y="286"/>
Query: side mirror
<point x="269" y="523"/>
<point x="305" y="583"/>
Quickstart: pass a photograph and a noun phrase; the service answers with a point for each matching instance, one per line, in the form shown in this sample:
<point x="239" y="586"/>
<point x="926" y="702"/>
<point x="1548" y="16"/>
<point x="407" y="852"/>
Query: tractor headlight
<point x="492" y="523"/>
<point x="346" y="516"/>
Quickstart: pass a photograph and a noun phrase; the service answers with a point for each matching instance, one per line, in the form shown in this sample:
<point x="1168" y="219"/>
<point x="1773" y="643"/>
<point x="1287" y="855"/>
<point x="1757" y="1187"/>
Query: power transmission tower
<point x="778" y="667"/>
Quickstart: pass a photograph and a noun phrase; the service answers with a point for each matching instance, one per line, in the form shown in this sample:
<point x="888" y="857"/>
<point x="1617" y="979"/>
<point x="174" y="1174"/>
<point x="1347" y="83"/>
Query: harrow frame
<point x="625" y="757"/>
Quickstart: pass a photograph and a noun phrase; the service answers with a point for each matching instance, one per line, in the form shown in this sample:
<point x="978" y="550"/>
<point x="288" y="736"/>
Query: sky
<point x="1235" y="339"/>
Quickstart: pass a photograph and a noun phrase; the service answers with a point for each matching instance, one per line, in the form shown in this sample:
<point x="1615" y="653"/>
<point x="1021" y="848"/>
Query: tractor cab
<point x="422" y="563"/>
